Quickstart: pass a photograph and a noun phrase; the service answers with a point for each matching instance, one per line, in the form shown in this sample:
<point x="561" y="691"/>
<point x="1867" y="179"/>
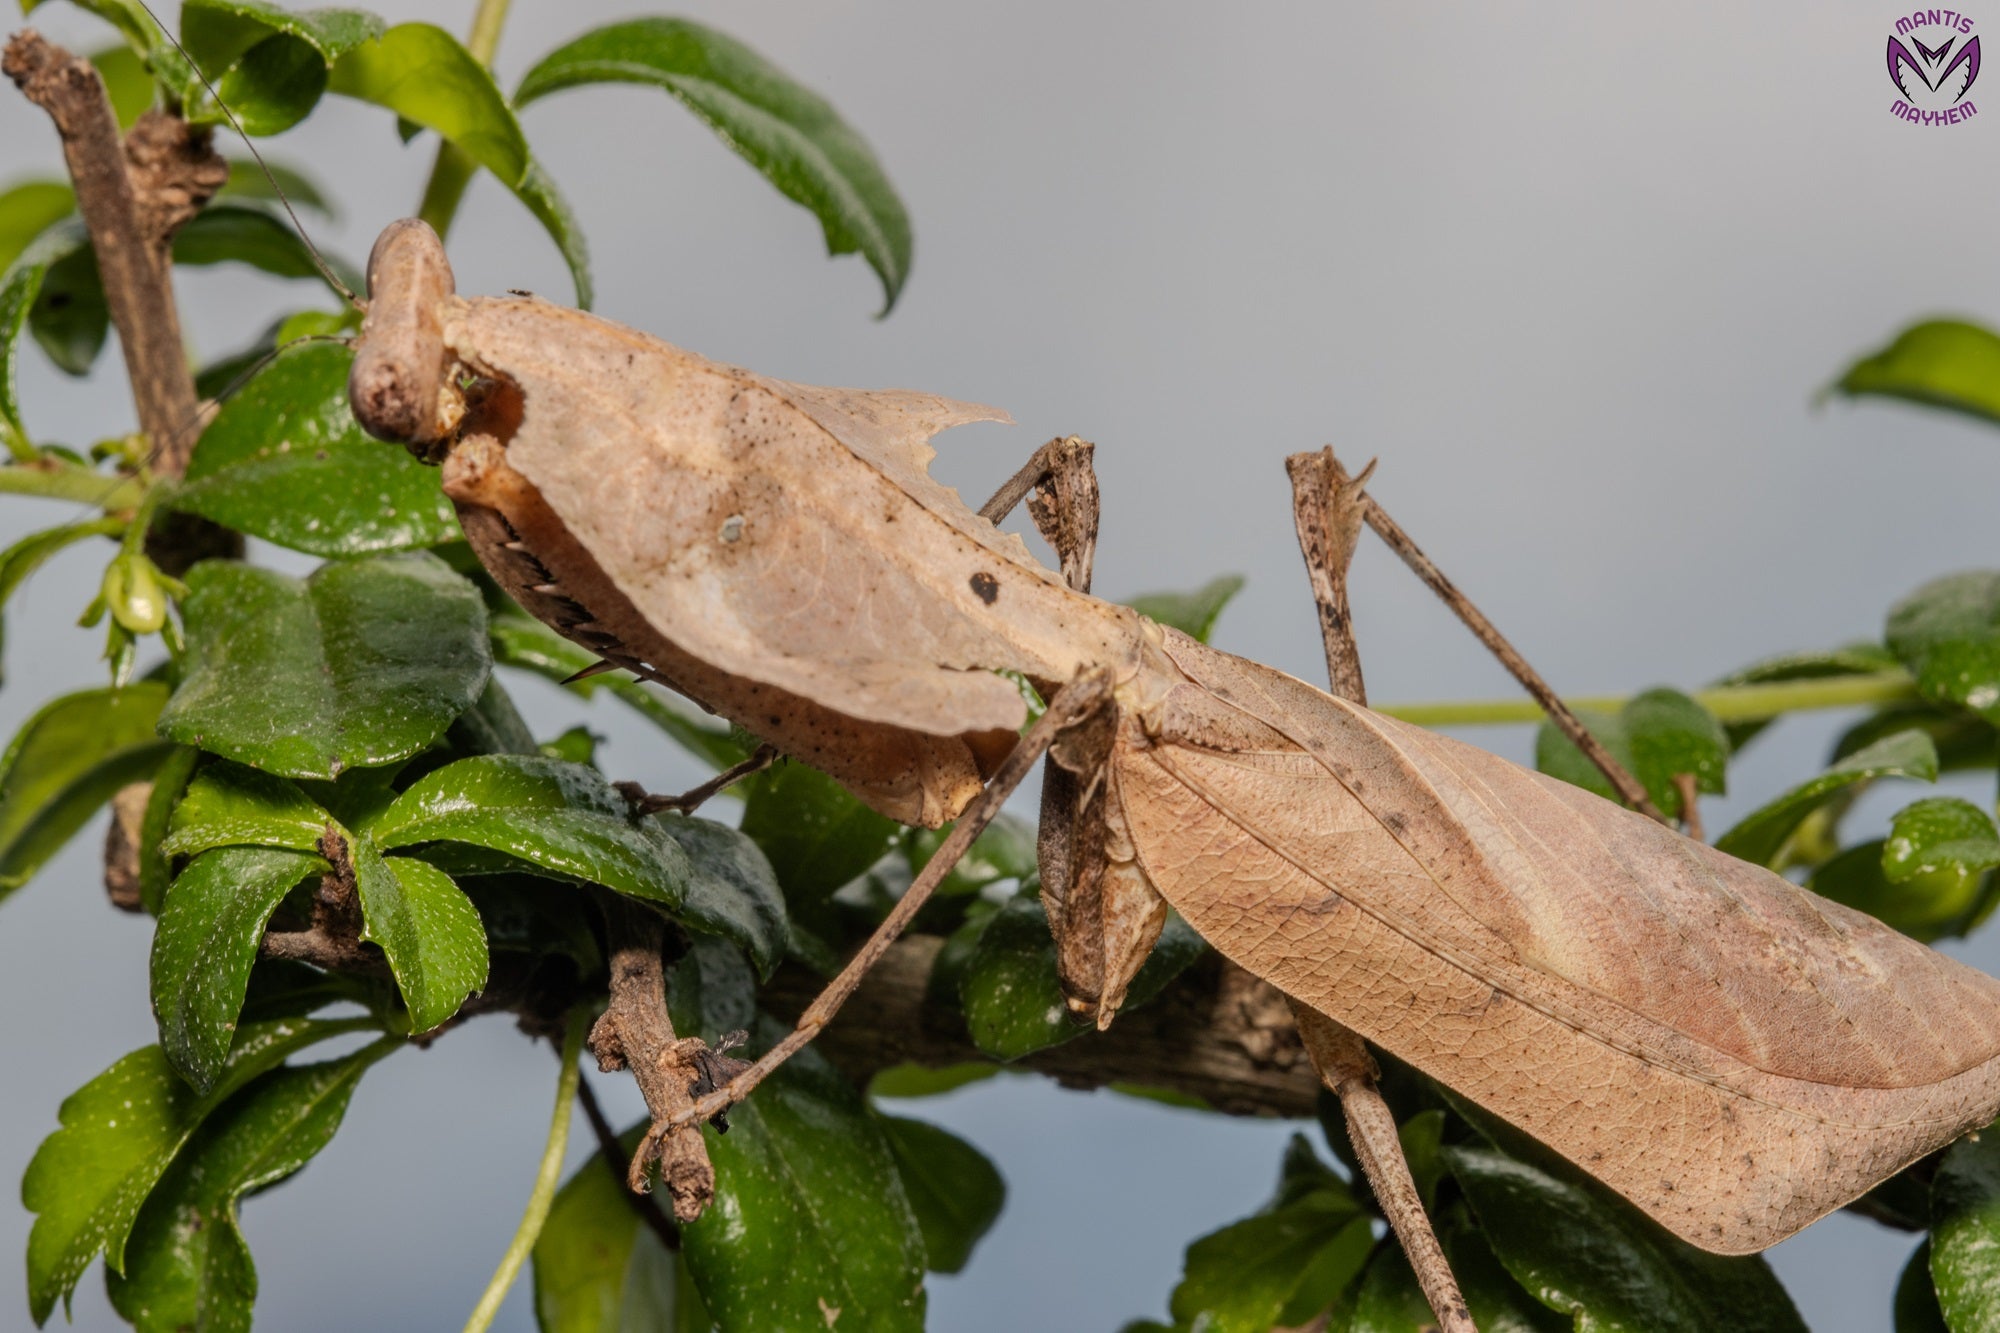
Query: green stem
<point x="546" y="1178"/>
<point x="1729" y="703"/>
<point x="62" y="480"/>
<point x="453" y="169"/>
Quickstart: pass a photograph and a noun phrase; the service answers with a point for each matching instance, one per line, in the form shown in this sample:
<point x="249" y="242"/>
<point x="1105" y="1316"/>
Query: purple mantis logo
<point x="1935" y="71"/>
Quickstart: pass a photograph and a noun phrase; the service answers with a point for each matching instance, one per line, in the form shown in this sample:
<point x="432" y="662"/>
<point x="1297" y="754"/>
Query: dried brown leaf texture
<point x="1731" y="1053"/>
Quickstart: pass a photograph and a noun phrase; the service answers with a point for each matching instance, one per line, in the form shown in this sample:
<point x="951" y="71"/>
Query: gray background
<point x="1572" y="271"/>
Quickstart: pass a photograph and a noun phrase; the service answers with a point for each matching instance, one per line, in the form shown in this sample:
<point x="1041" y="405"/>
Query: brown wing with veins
<point x="1732" y="1053"/>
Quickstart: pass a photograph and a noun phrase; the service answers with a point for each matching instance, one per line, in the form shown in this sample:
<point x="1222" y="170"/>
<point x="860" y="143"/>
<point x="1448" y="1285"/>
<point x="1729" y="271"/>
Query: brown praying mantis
<point x="1729" y="1052"/>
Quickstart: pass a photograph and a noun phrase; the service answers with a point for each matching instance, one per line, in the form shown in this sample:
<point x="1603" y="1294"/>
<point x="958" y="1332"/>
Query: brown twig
<point x="1328" y="509"/>
<point x="694" y="798"/>
<point x="636" y="1033"/>
<point x="131" y="214"/>
<point x="615" y="1161"/>
<point x="1690" y="793"/>
<point x="1629" y="788"/>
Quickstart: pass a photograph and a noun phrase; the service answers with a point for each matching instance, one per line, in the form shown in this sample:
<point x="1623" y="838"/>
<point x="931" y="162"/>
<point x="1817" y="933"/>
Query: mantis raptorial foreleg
<point x="1076" y="703"/>
<point x="1327" y="508"/>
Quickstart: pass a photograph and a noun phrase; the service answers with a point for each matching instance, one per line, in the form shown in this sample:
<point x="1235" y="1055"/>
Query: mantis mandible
<point x="1732" y="1054"/>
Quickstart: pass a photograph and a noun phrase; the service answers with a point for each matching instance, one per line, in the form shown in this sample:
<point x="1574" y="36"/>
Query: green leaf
<point x="493" y="725"/>
<point x="1004" y="850"/>
<point x="817" y="835"/>
<point x="731" y="890"/>
<point x="187" y="1265"/>
<point x="364" y="663"/>
<point x="1761" y="835"/>
<point x="119" y="1134"/>
<point x="268" y="65"/>
<point x="798" y="141"/>
<point x="20" y="296"/>
<point x="1938" y="852"/>
<point x="1965" y="1231"/>
<point x="914" y="1080"/>
<point x="1012" y="999"/>
<point x="65" y="762"/>
<point x="1656" y="735"/>
<point x="128" y="16"/>
<point x="1192" y="613"/>
<point x="285" y="460"/>
<point x="427" y="927"/>
<point x="1948" y="634"/>
<point x="258" y="236"/>
<point x="1282" y="1265"/>
<point x="127" y="82"/>
<point x="205" y="945"/>
<point x="597" y="1270"/>
<point x="423" y="74"/>
<point x="528" y="914"/>
<point x="170" y="782"/>
<point x="954" y="1190"/>
<point x="519" y="640"/>
<point x="233" y="805"/>
<point x="28" y="209"/>
<point x="810" y="1223"/>
<point x="247" y="180"/>
<point x="33" y="551"/>
<point x="563" y="818"/>
<point x="1916" y="1307"/>
<point x="1585" y="1252"/>
<point x="1943" y="363"/>
<point x="1388" y="1299"/>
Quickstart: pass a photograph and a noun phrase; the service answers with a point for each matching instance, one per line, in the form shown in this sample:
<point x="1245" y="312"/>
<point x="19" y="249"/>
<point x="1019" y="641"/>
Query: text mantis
<point x="1732" y="1054"/>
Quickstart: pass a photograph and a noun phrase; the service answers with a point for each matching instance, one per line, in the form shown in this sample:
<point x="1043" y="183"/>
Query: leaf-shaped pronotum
<point x="1728" y="1051"/>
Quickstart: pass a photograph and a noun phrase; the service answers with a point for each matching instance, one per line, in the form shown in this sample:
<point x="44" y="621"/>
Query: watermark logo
<point x="1934" y="61"/>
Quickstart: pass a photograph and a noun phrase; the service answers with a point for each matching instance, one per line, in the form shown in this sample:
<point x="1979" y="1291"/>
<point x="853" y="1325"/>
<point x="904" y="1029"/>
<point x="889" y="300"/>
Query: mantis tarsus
<point x="1733" y="1055"/>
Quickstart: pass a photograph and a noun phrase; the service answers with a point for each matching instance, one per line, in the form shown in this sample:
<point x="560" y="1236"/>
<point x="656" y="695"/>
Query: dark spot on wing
<point x="987" y="587"/>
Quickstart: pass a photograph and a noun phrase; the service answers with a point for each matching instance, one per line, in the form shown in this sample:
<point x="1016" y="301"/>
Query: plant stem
<point x="546" y="1178"/>
<point x="453" y="169"/>
<point x="1729" y="703"/>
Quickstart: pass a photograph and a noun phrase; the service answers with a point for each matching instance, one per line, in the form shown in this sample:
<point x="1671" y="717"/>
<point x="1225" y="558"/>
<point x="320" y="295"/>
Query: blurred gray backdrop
<point x="1573" y="272"/>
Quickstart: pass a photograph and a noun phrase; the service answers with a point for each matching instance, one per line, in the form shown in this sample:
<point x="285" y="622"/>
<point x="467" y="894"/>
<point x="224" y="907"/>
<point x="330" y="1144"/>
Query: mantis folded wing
<point x="1731" y="1053"/>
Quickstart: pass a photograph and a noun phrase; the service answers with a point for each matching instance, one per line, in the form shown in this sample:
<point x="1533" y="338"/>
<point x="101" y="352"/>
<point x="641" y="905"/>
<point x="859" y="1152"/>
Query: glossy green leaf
<point x="427" y="927"/>
<point x="128" y="16"/>
<point x="519" y="640"/>
<point x="1938" y="851"/>
<point x="69" y="319"/>
<point x="364" y="663"/>
<point x="731" y="890"/>
<point x="187" y="1265"/>
<point x="1192" y="613"/>
<point x="255" y="235"/>
<point x="817" y="835"/>
<point x="269" y="65"/>
<point x="425" y="75"/>
<point x="1282" y="1265"/>
<point x="33" y="551"/>
<point x="562" y="818"/>
<point x="954" y="1189"/>
<point x="810" y="1223"/>
<point x="1656" y="735"/>
<point x="205" y="945"/>
<point x="20" y="296"/>
<point x="531" y="915"/>
<point x="1388" y="1299"/>
<point x="170" y="782"/>
<point x="1916" y="1308"/>
<point x="1948" y="634"/>
<point x="120" y="1132"/>
<point x="285" y="460"/>
<point x="493" y="725"/>
<point x="1012" y="1000"/>
<point x="67" y="761"/>
<point x="1585" y="1252"/>
<point x="233" y="805"/>
<point x="1761" y="835"/>
<point x="1965" y="1232"/>
<point x="597" y="1268"/>
<point x="29" y="208"/>
<point x="790" y="134"/>
<point x="1943" y="363"/>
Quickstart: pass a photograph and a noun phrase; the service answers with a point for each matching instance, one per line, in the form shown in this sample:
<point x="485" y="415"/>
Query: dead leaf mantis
<point x="1730" y="1053"/>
